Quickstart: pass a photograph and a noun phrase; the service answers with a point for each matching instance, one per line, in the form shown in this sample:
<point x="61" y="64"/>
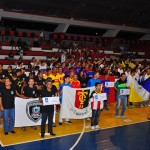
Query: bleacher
<point x="47" y="51"/>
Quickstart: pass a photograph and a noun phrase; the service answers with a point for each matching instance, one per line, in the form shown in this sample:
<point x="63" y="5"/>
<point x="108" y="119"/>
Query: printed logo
<point x="12" y="92"/>
<point x="106" y="84"/>
<point x="33" y="110"/>
<point x="46" y="99"/>
<point x="33" y="92"/>
<point x="82" y="99"/>
<point x="96" y="97"/>
<point x="121" y="91"/>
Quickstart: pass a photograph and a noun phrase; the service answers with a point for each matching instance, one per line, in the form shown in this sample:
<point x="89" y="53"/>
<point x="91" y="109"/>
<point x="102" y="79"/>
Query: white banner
<point x="109" y="84"/>
<point x="76" y="103"/>
<point x="27" y="112"/>
<point x="50" y="100"/>
<point x="124" y="91"/>
<point x="100" y="97"/>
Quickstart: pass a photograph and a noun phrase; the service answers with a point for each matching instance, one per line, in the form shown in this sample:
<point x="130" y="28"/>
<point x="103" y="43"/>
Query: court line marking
<point x="138" y="112"/>
<point x="71" y="134"/>
<point x="79" y="138"/>
<point x="1" y="144"/>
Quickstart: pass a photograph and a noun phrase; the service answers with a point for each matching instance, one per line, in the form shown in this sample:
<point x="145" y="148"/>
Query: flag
<point x="139" y="92"/>
<point x="28" y="112"/>
<point x="146" y="84"/>
<point x="76" y="103"/>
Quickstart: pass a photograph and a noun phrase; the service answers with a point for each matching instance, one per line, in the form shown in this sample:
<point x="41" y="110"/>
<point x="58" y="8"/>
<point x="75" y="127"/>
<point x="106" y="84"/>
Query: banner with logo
<point x="51" y="100"/>
<point x="76" y="103"/>
<point x="124" y="91"/>
<point x="27" y="112"/>
<point x="100" y="97"/>
<point x="109" y="84"/>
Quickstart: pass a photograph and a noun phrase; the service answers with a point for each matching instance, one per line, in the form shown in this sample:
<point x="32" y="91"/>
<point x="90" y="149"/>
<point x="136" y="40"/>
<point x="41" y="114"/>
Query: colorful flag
<point x="139" y="92"/>
<point x="76" y="103"/>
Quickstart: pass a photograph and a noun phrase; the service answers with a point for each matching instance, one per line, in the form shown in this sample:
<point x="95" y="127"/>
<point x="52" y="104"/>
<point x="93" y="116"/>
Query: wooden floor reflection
<point x="107" y="120"/>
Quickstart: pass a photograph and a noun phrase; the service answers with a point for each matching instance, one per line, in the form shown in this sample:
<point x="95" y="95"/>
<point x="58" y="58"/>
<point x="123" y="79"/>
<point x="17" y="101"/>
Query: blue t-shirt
<point x="90" y="74"/>
<point x="106" y="89"/>
<point x="85" y="72"/>
<point x="92" y="82"/>
<point x="77" y="69"/>
<point x="60" y="89"/>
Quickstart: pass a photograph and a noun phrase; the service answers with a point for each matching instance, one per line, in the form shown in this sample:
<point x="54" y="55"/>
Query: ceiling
<point x="134" y="13"/>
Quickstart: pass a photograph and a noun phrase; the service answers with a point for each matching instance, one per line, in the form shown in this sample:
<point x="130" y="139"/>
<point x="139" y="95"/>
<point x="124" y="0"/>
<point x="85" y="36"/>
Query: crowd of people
<point x="47" y="78"/>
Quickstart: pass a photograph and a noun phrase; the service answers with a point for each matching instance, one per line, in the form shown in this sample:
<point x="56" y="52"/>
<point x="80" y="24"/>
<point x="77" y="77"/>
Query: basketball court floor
<point x="132" y="133"/>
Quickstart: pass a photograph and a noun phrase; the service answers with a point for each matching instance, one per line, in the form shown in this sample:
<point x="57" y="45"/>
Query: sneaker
<point x="88" y="119"/>
<point x="106" y="108"/>
<point x="148" y="105"/>
<point x="53" y="134"/>
<point x="54" y="125"/>
<point x="117" y="116"/>
<point x="42" y="136"/>
<point x="133" y="106"/>
<point x="57" y="112"/>
<point x="68" y="122"/>
<point x="123" y="116"/>
<point x="92" y="127"/>
<point x="97" y="127"/>
<point x="141" y="106"/>
<point x="126" y="107"/>
<point x="6" y="133"/>
<point x="34" y="127"/>
<point x="12" y="132"/>
<point x="60" y="123"/>
<point x="23" y="128"/>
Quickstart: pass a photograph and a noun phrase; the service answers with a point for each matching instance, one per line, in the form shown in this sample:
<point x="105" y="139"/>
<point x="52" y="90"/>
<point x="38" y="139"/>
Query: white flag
<point x="76" y="103"/>
<point x="27" y="112"/>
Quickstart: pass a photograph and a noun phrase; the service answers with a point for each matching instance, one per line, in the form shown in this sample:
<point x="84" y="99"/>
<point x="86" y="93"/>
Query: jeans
<point x="50" y="122"/>
<point x="95" y="117"/>
<point x="121" y="99"/>
<point x="9" y="119"/>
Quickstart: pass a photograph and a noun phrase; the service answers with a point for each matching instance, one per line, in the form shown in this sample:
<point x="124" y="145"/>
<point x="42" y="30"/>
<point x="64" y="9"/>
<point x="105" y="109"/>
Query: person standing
<point x="130" y="79"/>
<point x="106" y="90"/>
<point x="82" y="79"/>
<point x="30" y="91"/>
<point x="96" y="105"/>
<point x="121" y="84"/>
<point x="60" y="75"/>
<point x="47" y="111"/>
<point x="66" y="83"/>
<point x="75" y="83"/>
<point x="7" y="98"/>
<point x="93" y="80"/>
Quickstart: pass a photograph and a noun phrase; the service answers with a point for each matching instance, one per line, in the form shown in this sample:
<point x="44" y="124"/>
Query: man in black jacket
<point x="47" y="111"/>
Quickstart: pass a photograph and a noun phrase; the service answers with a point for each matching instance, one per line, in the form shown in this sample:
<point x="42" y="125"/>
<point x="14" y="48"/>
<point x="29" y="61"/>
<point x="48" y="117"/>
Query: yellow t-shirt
<point x="61" y="77"/>
<point x="55" y="80"/>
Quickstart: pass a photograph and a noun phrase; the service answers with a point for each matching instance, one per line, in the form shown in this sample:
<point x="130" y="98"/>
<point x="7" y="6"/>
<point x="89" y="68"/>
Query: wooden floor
<point x="107" y="120"/>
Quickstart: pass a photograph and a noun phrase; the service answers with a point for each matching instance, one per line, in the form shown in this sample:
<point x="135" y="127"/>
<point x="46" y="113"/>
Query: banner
<point x="50" y="100"/>
<point x="27" y="112"/>
<point x="76" y="103"/>
<point x="109" y="84"/>
<point x="100" y="97"/>
<point x="124" y="91"/>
